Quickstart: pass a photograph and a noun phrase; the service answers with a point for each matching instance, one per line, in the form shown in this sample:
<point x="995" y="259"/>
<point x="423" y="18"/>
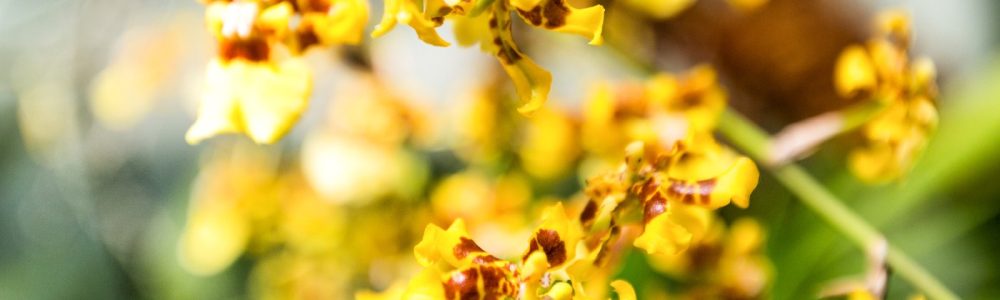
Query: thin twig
<point x="754" y="142"/>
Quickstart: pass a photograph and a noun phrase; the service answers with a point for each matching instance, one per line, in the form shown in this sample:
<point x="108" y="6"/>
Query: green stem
<point x="746" y="136"/>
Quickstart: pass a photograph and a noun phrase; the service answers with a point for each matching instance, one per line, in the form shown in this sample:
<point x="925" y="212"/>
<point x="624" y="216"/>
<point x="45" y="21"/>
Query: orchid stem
<point x="753" y="141"/>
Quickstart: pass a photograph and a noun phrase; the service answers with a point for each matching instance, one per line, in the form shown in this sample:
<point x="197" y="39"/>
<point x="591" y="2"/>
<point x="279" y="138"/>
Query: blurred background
<point x="100" y="196"/>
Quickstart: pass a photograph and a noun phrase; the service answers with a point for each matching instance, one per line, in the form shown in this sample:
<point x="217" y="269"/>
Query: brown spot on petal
<point x="484" y="259"/>
<point x="507" y="55"/>
<point x="653" y="207"/>
<point x="496" y="283"/>
<point x="534" y="16"/>
<point x="697" y="192"/>
<point x="462" y="285"/>
<point x="491" y="278"/>
<point x="256" y="50"/>
<point x="588" y="214"/>
<point x="687" y="101"/>
<point x="466" y="246"/>
<point x="316" y="6"/>
<point x="605" y="251"/>
<point x="444" y="10"/>
<point x="554" y="247"/>
<point x="306" y="37"/>
<point x="555" y="13"/>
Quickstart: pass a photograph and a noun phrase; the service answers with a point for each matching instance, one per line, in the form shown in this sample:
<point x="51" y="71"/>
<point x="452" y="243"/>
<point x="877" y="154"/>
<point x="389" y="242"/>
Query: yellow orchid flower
<point x="455" y="267"/>
<point x="233" y="193"/>
<point x="490" y="25"/>
<point x="252" y="88"/>
<point x="730" y="261"/>
<point x="663" y="110"/>
<point x="882" y="72"/>
<point x="555" y="239"/>
<point x="675" y="167"/>
<point x="696" y="97"/>
<point x="670" y="227"/>
<point x="474" y="272"/>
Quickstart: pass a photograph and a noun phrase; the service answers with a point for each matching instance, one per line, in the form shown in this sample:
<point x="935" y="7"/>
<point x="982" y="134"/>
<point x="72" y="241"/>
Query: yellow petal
<point x="697" y="97"/>
<point x="854" y="72"/>
<point x="452" y="246"/>
<point x="707" y="174"/>
<point x="531" y="81"/>
<point x="343" y="24"/>
<point x="559" y="291"/>
<point x="745" y="236"/>
<point x="275" y="19"/>
<point x="213" y="18"/>
<point x="873" y="163"/>
<point x="272" y="109"/>
<point x="695" y="219"/>
<point x="428" y="251"/>
<point x="895" y="24"/>
<point x="534" y="265"/>
<point x="736" y="184"/>
<point x="557" y="237"/>
<point x="559" y="16"/>
<point x="663" y="236"/>
<point x="623" y="289"/>
<point x="425" y="286"/>
<point x="259" y="99"/>
<point x="218" y="112"/>
<point x="408" y="12"/>
<point x="922" y="79"/>
<point x="471" y="30"/>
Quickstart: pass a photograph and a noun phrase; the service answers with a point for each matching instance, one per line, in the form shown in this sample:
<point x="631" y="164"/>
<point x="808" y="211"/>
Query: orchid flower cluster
<point x="881" y="71"/>
<point x="666" y="189"/>
<point x="652" y="173"/>
<point x="259" y="86"/>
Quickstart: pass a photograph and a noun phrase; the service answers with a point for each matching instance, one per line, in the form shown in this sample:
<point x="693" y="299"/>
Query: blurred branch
<point x="746" y="136"/>
<point x="798" y="139"/>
